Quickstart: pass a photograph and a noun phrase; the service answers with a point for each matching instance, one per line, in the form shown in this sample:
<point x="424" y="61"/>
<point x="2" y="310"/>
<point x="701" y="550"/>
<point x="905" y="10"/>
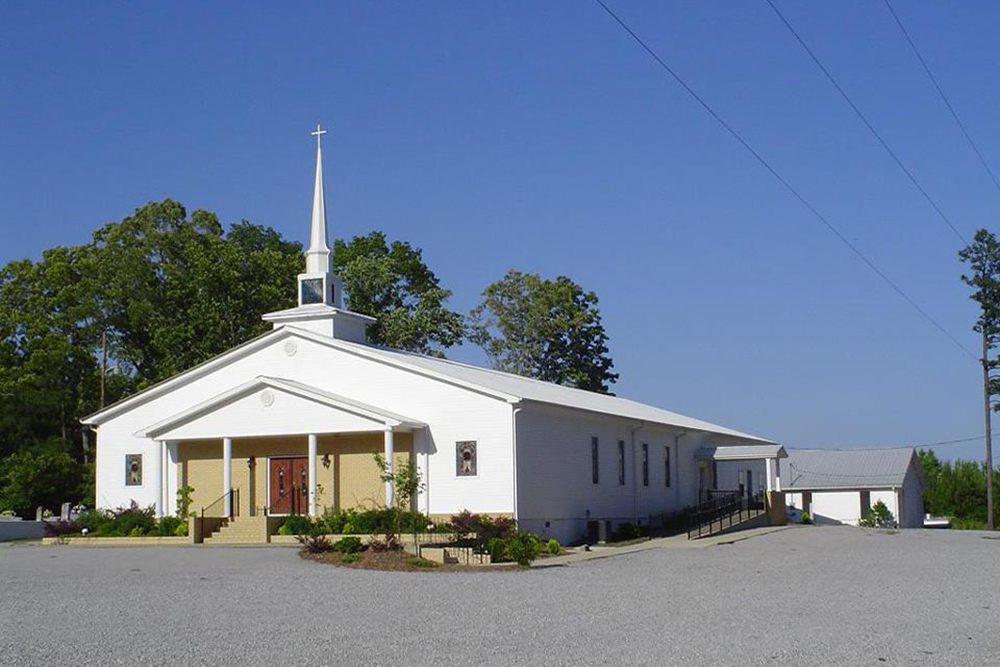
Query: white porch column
<point x="312" y="474"/>
<point x="777" y="475"/>
<point x="389" y="456"/>
<point x="227" y="474"/>
<point x="157" y="461"/>
<point x="767" y="468"/>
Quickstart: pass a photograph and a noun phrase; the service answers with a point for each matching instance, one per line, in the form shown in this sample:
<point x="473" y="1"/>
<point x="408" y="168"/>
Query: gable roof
<point x="872" y="468"/>
<point x="329" y="399"/>
<point x="504" y="386"/>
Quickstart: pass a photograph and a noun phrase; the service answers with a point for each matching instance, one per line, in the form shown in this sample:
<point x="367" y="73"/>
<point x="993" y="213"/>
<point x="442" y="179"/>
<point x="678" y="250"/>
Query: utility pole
<point x="989" y="437"/>
<point x="104" y="365"/>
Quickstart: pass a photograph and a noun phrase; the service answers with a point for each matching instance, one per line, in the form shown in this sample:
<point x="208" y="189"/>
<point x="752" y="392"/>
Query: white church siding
<point x="452" y="413"/>
<point x="555" y="490"/>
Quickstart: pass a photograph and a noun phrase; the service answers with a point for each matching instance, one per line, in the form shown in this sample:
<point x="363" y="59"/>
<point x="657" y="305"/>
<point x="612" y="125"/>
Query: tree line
<point x="163" y="290"/>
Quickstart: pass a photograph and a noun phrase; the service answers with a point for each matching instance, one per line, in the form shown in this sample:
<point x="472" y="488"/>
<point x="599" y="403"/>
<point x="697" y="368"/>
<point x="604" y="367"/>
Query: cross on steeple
<point x="318" y="133"/>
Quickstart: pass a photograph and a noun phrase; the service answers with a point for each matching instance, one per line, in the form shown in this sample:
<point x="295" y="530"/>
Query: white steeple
<point x="318" y="254"/>
<point x="321" y="298"/>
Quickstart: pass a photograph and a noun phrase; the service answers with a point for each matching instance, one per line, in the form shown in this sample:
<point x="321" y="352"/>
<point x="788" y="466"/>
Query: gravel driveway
<point x="801" y="596"/>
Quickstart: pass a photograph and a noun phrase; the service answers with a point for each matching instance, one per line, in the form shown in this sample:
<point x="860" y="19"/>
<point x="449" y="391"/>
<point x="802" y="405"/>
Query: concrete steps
<point x="241" y="530"/>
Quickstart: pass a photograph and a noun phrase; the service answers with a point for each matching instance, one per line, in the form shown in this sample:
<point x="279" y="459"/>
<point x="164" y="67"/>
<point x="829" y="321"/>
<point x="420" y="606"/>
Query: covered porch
<point x="273" y="447"/>
<point x="746" y="469"/>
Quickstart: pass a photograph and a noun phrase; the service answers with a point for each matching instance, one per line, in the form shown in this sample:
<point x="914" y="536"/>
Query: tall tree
<point x="546" y="329"/>
<point x="983" y="257"/>
<point x="48" y="332"/>
<point x="392" y="282"/>
<point x="175" y="290"/>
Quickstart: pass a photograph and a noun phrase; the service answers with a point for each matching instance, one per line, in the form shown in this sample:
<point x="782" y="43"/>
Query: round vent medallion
<point x="267" y="397"/>
<point x="291" y="347"/>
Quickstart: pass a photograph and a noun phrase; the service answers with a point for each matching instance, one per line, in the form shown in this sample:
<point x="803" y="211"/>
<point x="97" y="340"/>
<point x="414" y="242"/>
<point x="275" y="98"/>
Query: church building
<point x="289" y="422"/>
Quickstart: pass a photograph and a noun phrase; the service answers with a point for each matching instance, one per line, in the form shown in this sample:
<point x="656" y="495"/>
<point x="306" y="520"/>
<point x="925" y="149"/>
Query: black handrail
<point x="234" y="505"/>
<point x="725" y="511"/>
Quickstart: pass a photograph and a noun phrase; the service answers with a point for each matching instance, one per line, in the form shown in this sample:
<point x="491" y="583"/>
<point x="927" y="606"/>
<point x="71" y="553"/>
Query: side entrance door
<point x="289" y="482"/>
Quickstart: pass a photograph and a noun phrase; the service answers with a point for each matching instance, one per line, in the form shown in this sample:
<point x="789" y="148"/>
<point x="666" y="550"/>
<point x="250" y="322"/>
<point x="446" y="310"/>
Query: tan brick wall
<point x="346" y="474"/>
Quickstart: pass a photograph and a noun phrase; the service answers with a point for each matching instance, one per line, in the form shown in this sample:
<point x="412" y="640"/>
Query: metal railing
<point x="723" y="510"/>
<point x="234" y="505"/>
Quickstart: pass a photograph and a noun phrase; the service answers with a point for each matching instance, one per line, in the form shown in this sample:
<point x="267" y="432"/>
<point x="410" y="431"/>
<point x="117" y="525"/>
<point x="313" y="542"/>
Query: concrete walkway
<point x="675" y="542"/>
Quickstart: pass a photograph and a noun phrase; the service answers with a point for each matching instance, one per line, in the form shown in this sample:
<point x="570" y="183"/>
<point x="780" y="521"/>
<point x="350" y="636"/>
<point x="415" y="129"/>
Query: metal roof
<point x="740" y="453"/>
<point x="530" y="389"/>
<point x="873" y="468"/>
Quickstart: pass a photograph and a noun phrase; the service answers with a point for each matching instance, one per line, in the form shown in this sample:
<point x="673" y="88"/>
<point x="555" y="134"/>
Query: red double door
<point x="289" y="485"/>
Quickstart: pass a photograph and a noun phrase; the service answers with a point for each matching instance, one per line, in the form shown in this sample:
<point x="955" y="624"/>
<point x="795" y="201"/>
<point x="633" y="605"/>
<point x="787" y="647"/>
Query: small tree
<point x="878" y="516"/>
<point x="184" y="501"/>
<point x="406" y="484"/>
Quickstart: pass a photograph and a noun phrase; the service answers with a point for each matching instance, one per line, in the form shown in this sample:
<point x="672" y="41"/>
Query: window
<point x="133" y="470"/>
<point x="621" y="463"/>
<point x="595" y="476"/>
<point x="465" y="458"/>
<point x="645" y="464"/>
<point x="666" y="467"/>
<point x="312" y="291"/>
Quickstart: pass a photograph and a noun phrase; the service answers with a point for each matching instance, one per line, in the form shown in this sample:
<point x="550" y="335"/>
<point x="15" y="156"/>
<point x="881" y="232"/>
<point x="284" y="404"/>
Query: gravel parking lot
<point x="800" y="596"/>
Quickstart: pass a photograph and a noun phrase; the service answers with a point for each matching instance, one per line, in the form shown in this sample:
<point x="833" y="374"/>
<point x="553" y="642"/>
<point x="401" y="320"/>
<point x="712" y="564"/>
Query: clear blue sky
<point x="536" y="136"/>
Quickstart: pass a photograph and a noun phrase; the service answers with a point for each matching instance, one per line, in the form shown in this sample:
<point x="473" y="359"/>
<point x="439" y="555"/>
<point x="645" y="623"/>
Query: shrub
<point x="297" y="524"/>
<point x="497" y="550"/>
<point x="348" y="545"/>
<point x="625" y="532"/>
<point x="388" y="543"/>
<point x="60" y="528"/>
<point x="315" y="544"/>
<point x="132" y="521"/>
<point x="350" y="558"/>
<point x="553" y="547"/>
<point x="348" y="528"/>
<point x="420" y="562"/>
<point x="523" y="548"/>
<point x="878" y="516"/>
<point x="465" y="523"/>
<point x="95" y="521"/>
<point x="184" y="501"/>
<point x="805" y="518"/>
<point x="372" y="522"/>
<point x="182" y="529"/>
<point x="168" y="526"/>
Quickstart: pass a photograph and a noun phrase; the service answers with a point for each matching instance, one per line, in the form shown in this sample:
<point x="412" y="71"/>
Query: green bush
<point x="497" y="550"/>
<point x="95" y="522"/>
<point x="182" y="529"/>
<point x="297" y="524"/>
<point x="878" y="516"/>
<point x="132" y="521"/>
<point x="349" y="545"/>
<point x="350" y="558"/>
<point x="553" y="547"/>
<point x="805" y="518"/>
<point x="168" y="526"/>
<point x="420" y="562"/>
<point x="626" y="532"/>
<point x="372" y="522"/>
<point x="523" y="548"/>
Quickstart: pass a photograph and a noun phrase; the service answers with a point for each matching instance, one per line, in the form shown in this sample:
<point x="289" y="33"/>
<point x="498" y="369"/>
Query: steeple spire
<point x="318" y="254"/>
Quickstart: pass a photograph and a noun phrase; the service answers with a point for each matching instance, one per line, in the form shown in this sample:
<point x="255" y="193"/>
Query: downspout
<point x="635" y="474"/>
<point x="676" y="479"/>
<point x="513" y="438"/>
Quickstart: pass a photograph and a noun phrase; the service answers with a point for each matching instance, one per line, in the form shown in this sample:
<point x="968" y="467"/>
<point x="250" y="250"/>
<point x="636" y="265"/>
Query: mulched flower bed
<point x="398" y="561"/>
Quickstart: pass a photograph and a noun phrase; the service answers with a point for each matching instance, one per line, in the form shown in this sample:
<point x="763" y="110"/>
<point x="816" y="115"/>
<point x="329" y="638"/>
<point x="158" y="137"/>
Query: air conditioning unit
<point x="598" y="531"/>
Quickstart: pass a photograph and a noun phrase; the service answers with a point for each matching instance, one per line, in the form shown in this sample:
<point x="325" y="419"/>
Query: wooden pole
<point x="989" y="437"/>
<point x="104" y="365"/>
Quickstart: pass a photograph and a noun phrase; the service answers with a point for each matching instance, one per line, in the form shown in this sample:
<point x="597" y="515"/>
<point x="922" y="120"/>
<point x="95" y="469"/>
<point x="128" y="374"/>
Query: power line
<point x="944" y="98"/>
<point x="871" y="128"/>
<point x="788" y="186"/>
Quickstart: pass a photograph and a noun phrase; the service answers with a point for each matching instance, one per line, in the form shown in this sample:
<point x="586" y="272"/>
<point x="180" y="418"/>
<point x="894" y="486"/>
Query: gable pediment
<point x="268" y="406"/>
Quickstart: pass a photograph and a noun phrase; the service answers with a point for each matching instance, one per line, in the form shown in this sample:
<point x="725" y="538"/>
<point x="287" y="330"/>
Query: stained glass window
<point x="465" y="458"/>
<point x="133" y="470"/>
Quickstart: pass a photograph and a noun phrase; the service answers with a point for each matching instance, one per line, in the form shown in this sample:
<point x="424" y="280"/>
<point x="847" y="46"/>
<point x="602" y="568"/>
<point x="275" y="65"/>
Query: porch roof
<point x="741" y="453"/>
<point x="360" y="413"/>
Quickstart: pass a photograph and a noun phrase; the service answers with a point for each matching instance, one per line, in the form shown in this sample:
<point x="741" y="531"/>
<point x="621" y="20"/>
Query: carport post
<point x="312" y="474"/>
